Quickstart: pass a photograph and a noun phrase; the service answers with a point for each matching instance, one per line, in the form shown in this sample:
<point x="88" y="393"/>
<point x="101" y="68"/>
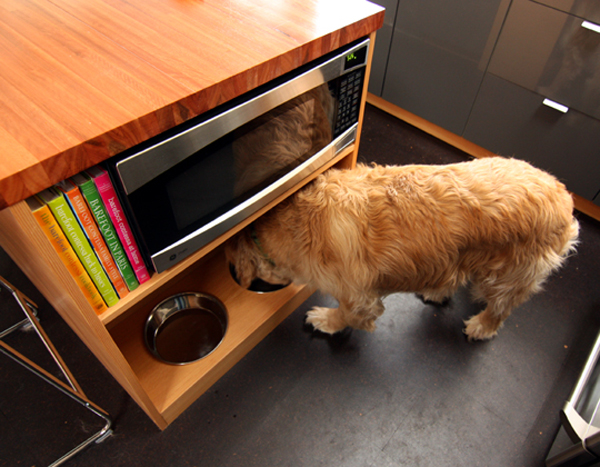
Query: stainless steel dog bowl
<point x="185" y="327"/>
<point x="257" y="285"/>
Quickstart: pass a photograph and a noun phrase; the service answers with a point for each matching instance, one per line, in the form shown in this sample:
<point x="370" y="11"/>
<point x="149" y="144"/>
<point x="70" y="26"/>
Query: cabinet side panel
<point x="26" y="244"/>
<point x="363" y="100"/>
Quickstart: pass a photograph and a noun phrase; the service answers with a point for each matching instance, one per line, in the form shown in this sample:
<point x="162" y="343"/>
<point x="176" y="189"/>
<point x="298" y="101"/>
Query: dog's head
<point x="250" y="262"/>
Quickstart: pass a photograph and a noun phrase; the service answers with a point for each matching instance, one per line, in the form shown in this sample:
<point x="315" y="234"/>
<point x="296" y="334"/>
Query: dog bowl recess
<point x="257" y="285"/>
<point x="185" y="327"/>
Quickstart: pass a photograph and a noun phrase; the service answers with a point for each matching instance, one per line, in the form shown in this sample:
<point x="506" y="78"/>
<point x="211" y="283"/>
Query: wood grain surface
<point x="81" y="81"/>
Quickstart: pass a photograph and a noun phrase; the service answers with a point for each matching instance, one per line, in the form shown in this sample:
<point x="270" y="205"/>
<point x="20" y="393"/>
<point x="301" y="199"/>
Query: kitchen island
<point x="83" y="81"/>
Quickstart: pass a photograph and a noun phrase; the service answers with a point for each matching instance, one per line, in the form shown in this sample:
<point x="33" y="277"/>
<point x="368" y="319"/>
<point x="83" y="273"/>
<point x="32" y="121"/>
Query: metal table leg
<point x="72" y="390"/>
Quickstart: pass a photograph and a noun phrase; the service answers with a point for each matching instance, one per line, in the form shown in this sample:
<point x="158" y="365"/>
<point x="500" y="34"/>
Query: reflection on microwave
<point x="282" y="138"/>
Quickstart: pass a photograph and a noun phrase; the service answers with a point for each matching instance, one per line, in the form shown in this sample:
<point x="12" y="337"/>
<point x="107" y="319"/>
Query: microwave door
<point x="165" y="258"/>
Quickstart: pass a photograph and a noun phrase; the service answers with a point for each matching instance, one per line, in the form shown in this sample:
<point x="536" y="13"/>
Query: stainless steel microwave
<point x="184" y="188"/>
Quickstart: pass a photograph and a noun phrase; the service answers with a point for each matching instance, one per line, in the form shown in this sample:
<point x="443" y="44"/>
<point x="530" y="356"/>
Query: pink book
<point x="115" y="211"/>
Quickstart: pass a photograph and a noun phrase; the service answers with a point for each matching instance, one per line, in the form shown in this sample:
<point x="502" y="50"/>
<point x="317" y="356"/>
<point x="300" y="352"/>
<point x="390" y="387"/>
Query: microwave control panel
<point x="349" y="90"/>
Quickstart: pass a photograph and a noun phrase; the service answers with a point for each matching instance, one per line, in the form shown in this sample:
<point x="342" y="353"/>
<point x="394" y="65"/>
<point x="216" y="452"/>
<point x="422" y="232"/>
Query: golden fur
<point x="361" y="234"/>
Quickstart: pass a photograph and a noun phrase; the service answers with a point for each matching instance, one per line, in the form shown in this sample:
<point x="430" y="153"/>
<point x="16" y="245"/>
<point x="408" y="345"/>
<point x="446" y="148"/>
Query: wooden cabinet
<point x="163" y="391"/>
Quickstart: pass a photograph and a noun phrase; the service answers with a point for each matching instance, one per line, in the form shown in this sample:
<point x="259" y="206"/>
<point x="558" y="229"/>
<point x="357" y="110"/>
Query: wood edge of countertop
<point x="34" y="178"/>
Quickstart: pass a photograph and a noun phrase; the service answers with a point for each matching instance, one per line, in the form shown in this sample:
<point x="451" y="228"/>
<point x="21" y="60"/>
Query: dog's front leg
<point x="359" y="314"/>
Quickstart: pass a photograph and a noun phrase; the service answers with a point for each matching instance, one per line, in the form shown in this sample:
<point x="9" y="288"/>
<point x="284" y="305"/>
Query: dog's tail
<point x="554" y="260"/>
<point x="572" y="240"/>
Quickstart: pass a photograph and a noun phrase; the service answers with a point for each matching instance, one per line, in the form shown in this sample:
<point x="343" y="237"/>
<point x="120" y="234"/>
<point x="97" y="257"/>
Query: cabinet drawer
<point x="585" y="9"/>
<point x="512" y="121"/>
<point x="551" y="53"/>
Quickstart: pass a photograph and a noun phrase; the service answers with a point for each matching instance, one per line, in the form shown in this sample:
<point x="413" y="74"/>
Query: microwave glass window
<point x="233" y="168"/>
<point x="203" y="188"/>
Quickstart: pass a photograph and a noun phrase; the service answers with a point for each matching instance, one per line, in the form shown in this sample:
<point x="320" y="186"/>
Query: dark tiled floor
<point x="414" y="393"/>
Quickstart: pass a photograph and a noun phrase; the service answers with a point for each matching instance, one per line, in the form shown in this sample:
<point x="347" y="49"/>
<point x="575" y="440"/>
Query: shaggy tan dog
<point x="361" y="234"/>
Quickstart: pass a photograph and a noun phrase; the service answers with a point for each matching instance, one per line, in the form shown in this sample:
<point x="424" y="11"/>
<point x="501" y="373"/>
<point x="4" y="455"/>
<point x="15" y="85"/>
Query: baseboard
<point x="583" y="205"/>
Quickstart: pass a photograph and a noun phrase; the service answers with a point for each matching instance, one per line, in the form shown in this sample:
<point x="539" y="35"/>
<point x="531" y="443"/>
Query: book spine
<point x="105" y="225"/>
<point x="115" y="211"/>
<point x="66" y="219"/>
<point x="89" y="225"/>
<point x="69" y="258"/>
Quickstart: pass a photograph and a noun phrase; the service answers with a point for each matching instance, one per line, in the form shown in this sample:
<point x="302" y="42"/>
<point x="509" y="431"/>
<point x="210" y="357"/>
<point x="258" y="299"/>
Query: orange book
<point x="63" y="248"/>
<point x="86" y="219"/>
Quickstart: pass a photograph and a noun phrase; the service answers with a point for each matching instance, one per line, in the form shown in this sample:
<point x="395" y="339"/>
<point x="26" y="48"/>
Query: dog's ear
<point x="245" y="270"/>
<point x="238" y="252"/>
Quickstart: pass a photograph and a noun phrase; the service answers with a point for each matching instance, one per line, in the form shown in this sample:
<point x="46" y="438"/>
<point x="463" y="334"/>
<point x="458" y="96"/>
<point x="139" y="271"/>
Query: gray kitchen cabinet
<point x="485" y="70"/>
<point x="551" y="53"/>
<point x="438" y="56"/>
<point x="382" y="46"/>
<point x="510" y="120"/>
<point x="544" y="55"/>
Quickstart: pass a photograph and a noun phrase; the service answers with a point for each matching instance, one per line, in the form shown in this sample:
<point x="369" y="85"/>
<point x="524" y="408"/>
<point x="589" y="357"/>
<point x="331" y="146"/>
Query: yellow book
<point x="63" y="248"/>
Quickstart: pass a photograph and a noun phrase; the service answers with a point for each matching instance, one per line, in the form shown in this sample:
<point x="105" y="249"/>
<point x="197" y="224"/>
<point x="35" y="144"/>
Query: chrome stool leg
<point x="72" y="390"/>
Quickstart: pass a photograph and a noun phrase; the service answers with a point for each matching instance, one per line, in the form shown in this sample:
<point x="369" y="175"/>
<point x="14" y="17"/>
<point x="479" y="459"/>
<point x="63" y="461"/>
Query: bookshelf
<point x="116" y="336"/>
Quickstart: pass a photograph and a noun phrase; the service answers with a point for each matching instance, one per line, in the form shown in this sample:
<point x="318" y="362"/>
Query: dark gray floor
<point x="414" y="393"/>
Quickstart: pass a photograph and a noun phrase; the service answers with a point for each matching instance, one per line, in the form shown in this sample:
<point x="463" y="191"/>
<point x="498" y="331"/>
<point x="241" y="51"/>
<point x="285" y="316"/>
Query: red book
<point x="115" y="211"/>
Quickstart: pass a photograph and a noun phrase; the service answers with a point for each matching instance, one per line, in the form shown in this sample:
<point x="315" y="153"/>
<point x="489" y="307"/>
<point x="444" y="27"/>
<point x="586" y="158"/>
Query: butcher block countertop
<point x="82" y="80"/>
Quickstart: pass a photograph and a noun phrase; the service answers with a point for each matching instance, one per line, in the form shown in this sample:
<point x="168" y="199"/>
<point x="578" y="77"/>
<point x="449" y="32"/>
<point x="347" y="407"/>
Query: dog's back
<point x="493" y="201"/>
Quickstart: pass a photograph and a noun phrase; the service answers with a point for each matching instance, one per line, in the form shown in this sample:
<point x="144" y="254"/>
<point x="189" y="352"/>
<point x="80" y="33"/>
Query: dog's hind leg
<point x="506" y="288"/>
<point x="485" y="325"/>
<point x="502" y="294"/>
<point x="501" y="297"/>
<point x="358" y="315"/>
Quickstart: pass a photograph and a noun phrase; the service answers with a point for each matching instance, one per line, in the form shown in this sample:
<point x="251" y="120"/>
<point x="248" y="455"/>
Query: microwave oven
<point x="186" y="187"/>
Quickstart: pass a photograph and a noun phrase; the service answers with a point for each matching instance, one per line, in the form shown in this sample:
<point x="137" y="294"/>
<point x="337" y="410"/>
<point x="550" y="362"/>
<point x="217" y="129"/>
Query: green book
<point x="91" y="195"/>
<point x="70" y="225"/>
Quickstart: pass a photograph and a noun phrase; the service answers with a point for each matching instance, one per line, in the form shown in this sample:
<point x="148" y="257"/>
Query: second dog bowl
<point x="185" y="327"/>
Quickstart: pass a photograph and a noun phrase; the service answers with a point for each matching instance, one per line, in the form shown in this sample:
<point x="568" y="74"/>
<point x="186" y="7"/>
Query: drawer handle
<point x="591" y="26"/>
<point x="555" y="105"/>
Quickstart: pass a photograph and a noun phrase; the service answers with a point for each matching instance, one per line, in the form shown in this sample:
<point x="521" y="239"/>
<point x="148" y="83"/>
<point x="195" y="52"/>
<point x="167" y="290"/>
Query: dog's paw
<point x="324" y="320"/>
<point x="434" y="302"/>
<point x="477" y="331"/>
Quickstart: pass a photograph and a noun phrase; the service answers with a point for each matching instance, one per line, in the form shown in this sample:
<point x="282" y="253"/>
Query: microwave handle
<point x="142" y="167"/>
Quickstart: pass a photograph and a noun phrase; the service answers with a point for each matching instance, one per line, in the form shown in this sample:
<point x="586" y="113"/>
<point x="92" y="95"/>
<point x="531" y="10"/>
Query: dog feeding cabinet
<point x="111" y="75"/>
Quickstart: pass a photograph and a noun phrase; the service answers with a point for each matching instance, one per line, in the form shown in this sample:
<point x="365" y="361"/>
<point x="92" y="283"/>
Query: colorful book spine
<point x="86" y="220"/>
<point x="117" y="216"/>
<point x="67" y="255"/>
<point x="90" y="193"/>
<point x="70" y="226"/>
